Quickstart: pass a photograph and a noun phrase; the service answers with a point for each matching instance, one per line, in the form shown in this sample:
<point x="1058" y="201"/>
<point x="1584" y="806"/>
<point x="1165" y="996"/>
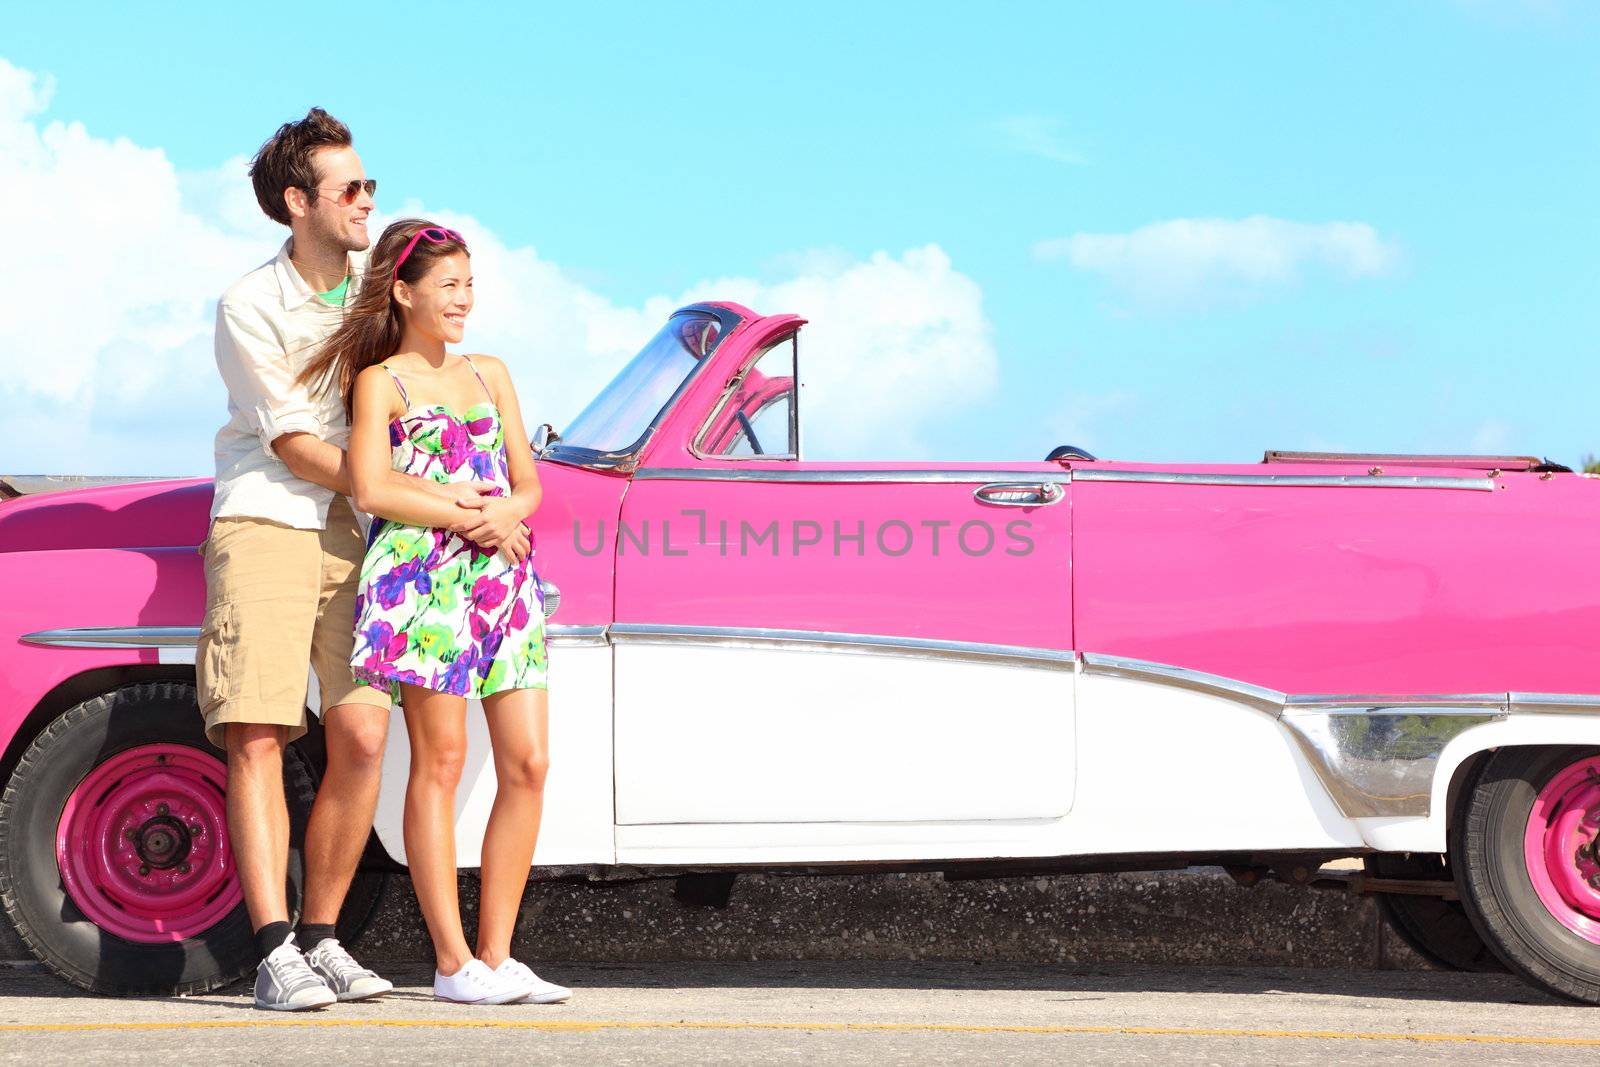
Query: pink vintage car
<point x="760" y="661"/>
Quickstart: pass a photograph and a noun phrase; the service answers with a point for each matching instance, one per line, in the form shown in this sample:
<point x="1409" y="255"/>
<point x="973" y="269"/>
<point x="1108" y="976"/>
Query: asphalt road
<point x="877" y="1013"/>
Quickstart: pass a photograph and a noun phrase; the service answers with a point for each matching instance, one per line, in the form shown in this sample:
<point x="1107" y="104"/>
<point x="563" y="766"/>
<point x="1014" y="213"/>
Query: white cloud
<point x="1188" y="262"/>
<point x="105" y="344"/>
<point x="1037" y="135"/>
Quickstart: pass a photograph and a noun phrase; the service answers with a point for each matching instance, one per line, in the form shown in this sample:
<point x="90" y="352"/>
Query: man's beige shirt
<point x="269" y="326"/>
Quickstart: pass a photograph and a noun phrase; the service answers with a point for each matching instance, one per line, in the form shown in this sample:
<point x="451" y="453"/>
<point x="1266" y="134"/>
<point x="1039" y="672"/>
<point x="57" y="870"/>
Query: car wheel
<point x="1528" y="868"/>
<point x="1438" y="930"/>
<point x="115" y="867"/>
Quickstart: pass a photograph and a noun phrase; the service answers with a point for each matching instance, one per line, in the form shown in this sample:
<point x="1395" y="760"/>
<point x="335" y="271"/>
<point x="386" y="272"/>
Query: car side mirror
<point x="543" y="438"/>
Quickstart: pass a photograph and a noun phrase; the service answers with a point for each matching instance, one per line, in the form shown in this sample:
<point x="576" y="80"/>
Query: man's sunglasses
<point x="350" y="190"/>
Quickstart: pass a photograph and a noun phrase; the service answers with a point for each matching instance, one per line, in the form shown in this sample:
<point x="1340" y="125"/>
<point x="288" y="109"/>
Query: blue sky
<point x="1089" y="168"/>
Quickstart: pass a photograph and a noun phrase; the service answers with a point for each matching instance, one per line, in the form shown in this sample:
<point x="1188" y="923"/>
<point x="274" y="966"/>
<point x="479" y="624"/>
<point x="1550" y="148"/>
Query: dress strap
<point x="404" y="399"/>
<point x="475" y="374"/>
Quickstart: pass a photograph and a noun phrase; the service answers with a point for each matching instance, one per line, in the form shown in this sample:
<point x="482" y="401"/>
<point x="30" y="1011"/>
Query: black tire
<point x="1438" y="930"/>
<point x="1492" y="874"/>
<point x="31" y="890"/>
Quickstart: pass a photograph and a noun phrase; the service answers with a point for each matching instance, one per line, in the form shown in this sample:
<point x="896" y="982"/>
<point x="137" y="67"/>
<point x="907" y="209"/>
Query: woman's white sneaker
<point x="538" y="990"/>
<point x="476" y="983"/>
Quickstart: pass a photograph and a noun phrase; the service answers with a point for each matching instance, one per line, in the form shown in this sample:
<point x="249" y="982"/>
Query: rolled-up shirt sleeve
<point x="260" y="377"/>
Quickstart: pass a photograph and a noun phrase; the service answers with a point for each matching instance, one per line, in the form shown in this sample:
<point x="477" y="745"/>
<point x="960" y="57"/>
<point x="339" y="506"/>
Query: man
<point x="281" y="564"/>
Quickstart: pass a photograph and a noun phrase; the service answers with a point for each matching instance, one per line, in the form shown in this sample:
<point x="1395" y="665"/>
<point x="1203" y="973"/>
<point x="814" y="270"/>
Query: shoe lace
<point x="332" y="955"/>
<point x="291" y="971"/>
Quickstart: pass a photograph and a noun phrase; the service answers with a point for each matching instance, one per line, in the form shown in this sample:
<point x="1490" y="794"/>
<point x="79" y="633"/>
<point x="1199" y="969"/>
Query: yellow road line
<point x="581" y="1025"/>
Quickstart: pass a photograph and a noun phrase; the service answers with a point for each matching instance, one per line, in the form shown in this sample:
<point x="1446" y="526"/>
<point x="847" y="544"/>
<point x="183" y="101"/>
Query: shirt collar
<point x="294" y="288"/>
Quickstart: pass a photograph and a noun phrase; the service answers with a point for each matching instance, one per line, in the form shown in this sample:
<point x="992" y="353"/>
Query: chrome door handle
<point x="1020" y="494"/>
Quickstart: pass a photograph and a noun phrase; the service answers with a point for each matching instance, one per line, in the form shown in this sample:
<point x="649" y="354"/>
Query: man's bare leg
<point x="258" y="818"/>
<point x="347" y="799"/>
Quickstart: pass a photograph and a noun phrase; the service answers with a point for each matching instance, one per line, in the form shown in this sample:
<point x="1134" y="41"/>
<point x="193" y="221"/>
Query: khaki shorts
<point x="279" y="600"/>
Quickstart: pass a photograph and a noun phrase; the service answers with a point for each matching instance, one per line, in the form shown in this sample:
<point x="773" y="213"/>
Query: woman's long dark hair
<point x="372" y="326"/>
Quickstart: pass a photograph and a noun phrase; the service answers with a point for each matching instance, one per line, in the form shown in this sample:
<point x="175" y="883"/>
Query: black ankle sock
<point x="271" y="936"/>
<point x="311" y="933"/>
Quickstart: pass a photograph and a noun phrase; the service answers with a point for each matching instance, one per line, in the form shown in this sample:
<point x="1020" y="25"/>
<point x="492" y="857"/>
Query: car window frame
<point x="732" y="387"/>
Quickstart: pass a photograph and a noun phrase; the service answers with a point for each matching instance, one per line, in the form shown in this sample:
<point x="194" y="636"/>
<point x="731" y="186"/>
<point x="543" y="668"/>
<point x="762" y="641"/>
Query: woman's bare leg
<point x="519" y="729"/>
<point x="437" y="726"/>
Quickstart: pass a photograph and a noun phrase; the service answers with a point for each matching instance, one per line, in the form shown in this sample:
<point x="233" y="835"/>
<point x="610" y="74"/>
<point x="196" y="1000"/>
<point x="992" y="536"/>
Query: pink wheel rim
<point x="1560" y="847"/>
<point x="143" y="847"/>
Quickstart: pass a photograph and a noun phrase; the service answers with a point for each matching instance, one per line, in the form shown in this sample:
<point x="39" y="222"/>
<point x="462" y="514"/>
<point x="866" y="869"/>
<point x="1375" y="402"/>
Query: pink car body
<point x="761" y="660"/>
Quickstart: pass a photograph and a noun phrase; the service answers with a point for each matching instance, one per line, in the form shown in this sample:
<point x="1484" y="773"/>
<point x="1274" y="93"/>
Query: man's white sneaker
<point x="476" y="984"/>
<point x="285" y="982"/>
<point x="539" y="991"/>
<point x="347" y="978"/>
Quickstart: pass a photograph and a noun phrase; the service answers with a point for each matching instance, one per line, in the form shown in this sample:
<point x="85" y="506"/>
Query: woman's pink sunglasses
<point x="437" y="234"/>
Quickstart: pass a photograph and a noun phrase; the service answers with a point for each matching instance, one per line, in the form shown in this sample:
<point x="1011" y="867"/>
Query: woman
<point x="449" y="606"/>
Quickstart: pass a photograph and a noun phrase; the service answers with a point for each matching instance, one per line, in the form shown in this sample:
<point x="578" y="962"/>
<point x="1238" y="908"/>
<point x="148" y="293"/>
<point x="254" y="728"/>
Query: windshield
<point x="620" y="415"/>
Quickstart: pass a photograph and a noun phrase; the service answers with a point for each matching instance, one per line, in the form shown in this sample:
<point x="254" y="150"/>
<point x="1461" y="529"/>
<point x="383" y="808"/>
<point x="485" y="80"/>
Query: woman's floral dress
<point x="437" y="610"/>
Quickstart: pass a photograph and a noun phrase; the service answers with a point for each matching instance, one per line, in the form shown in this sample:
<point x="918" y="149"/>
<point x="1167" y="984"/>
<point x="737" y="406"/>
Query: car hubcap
<point x="142" y="844"/>
<point x="1561" y="851"/>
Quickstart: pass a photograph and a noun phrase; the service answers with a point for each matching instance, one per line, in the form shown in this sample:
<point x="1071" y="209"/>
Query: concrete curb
<point x="1189" y="918"/>
<point x="1196" y="917"/>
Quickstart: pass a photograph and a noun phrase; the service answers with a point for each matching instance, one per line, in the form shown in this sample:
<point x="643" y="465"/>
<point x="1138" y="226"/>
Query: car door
<point x="801" y="642"/>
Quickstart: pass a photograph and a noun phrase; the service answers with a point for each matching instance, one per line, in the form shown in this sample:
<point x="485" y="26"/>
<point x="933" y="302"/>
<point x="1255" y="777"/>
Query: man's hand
<point x="467" y="494"/>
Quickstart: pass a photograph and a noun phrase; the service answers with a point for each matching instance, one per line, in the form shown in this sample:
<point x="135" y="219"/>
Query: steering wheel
<point x="1068" y="452"/>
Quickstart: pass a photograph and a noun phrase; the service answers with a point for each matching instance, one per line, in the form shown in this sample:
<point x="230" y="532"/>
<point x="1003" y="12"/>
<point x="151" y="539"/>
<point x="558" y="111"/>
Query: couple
<point x="340" y="386"/>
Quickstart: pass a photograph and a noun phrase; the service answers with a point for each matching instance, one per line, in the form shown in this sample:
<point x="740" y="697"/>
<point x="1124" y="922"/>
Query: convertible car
<point x="763" y="662"/>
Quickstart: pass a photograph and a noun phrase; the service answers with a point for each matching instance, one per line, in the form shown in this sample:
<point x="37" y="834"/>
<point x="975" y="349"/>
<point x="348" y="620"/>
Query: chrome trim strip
<point x="723" y="474"/>
<point x="557" y="633"/>
<point x="1411" y="459"/>
<point x="1444" y="703"/>
<point x="1554" y="703"/>
<point x="189" y="636"/>
<point x="115" y="637"/>
<point x="1181" y="677"/>
<point x="1353" y="481"/>
<point x="834" y="641"/>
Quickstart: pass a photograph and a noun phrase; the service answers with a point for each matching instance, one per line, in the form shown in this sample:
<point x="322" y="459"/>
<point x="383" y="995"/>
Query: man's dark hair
<point x="284" y="161"/>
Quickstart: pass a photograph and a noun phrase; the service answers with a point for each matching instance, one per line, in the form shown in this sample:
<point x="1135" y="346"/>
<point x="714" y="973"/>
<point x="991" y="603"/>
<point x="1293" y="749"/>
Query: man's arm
<point x="260" y="379"/>
<point x="309" y="457"/>
<point x="259" y="376"/>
